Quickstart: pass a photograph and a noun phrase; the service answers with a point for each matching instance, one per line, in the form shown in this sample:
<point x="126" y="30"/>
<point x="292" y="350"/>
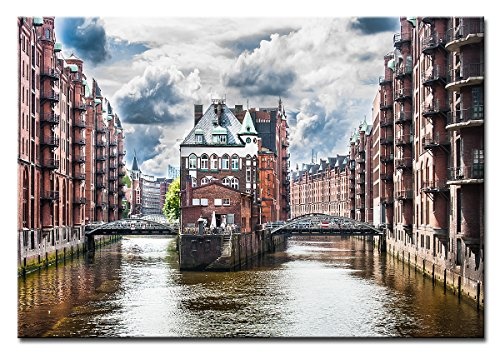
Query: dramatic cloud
<point x="251" y="42"/>
<point x="160" y="96"/>
<point x="371" y="25"/>
<point x="87" y="37"/>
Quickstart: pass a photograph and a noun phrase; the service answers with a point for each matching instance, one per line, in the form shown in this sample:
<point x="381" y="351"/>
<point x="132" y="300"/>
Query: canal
<point x="327" y="287"/>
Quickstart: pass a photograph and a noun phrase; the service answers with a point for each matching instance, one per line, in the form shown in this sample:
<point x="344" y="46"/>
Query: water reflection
<point x="315" y="287"/>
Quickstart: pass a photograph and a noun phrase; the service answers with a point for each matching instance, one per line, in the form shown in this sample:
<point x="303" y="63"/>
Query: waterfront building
<point x="55" y="149"/>
<point x="434" y="200"/>
<point x="222" y="151"/>
<point x="151" y="194"/>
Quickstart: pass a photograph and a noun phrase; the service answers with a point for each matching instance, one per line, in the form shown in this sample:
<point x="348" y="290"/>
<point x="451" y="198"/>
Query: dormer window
<point x="199" y="139"/>
<point x="219" y="135"/>
<point x="199" y="136"/>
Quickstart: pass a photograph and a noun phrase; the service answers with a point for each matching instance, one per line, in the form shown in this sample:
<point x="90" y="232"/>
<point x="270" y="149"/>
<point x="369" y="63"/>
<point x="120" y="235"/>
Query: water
<point x="321" y="287"/>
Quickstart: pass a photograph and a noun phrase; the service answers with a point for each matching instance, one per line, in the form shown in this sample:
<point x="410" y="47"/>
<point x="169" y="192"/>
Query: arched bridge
<point x="145" y="225"/>
<point x="324" y="224"/>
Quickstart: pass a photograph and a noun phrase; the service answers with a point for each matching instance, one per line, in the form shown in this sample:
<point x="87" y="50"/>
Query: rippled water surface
<point x="315" y="287"/>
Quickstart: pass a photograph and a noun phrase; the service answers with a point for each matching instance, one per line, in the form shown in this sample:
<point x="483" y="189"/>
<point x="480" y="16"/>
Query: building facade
<point x="54" y="174"/>
<point x="221" y="150"/>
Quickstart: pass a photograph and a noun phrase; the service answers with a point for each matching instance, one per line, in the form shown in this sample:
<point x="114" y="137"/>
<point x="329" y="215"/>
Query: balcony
<point x="102" y="205"/>
<point x="79" y="141"/>
<point x="402" y="94"/>
<point x="112" y="178"/>
<point x="466" y="174"/>
<point x="384" y="106"/>
<point x="386" y="177"/>
<point x="50" y="118"/>
<point x="81" y="200"/>
<point x="101" y="158"/>
<point x="112" y="166"/>
<point x="386" y="122"/>
<point x="100" y="185"/>
<point x="386" y="159"/>
<point x="382" y="80"/>
<point x="433" y="42"/>
<point x="436" y="75"/>
<point x="403" y="163"/>
<point x="434" y="109"/>
<point x="360" y="159"/>
<point x="79" y="158"/>
<point x="470" y="32"/>
<point x="403" y="71"/>
<point x="49" y="195"/>
<point x="76" y="77"/>
<point x="361" y="191"/>
<point x="113" y="154"/>
<point x="404" y="140"/>
<point x="80" y="123"/>
<point x="113" y="142"/>
<point x="352" y="177"/>
<point x="113" y="206"/>
<point x="79" y="176"/>
<point x="435" y="140"/>
<point x="387" y="140"/>
<point x="466" y="118"/>
<point x="50" y="74"/>
<point x="100" y="171"/>
<point x="82" y="106"/>
<point x="50" y="164"/>
<point x="466" y="75"/>
<point x="400" y="38"/>
<point x="434" y="187"/>
<point x="49" y="95"/>
<point x="50" y="140"/>
<point x="403" y="117"/>
<point x="404" y="194"/>
<point x="100" y="144"/>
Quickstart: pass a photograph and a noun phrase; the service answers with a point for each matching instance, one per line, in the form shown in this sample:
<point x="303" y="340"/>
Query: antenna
<point x="247" y="105"/>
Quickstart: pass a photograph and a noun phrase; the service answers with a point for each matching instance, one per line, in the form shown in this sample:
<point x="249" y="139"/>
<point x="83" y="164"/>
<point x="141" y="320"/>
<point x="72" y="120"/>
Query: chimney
<point x="198" y="113"/>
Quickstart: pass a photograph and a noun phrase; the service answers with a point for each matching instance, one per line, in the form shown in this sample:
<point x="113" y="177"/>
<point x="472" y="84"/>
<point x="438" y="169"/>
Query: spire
<point x="135" y="165"/>
<point x="247" y="127"/>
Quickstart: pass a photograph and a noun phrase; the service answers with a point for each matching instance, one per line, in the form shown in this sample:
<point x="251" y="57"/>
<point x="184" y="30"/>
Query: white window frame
<point x="214" y="162"/>
<point x="235" y="183"/>
<point x="204" y="162"/>
<point x="226" y="201"/>
<point x="192" y="158"/>
<point x="235" y="162"/>
<point x="225" y="162"/>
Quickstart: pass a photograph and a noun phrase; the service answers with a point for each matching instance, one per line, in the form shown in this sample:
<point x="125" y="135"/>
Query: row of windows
<point x="232" y="182"/>
<point x="225" y="162"/>
<point x="217" y="201"/>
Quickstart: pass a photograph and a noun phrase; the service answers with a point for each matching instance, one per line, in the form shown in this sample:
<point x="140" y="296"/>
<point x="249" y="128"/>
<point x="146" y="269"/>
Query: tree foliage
<point x="126" y="181"/>
<point x="171" y="208"/>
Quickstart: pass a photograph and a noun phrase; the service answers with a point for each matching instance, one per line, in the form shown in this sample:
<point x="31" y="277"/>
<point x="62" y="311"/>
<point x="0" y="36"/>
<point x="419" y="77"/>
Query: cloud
<point x="372" y="25"/>
<point x="250" y="42"/>
<point x="161" y="95"/>
<point x="87" y="37"/>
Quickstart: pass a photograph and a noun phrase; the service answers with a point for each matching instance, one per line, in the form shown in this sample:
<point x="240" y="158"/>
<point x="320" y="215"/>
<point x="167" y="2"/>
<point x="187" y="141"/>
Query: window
<point x="204" y="181"/>
<point x="226" y="181"/>
<point x="234" y="162"/>
<point x="47" y="34"/>
<point x="204" y="162"/>
<point x="230" y="219"/>
<point x="225" y="201"/>
<point x="225" y="162"/>
<point x="196" y="201"/>
<point x="192" y="161"/>
<point x="218" y="202"/>
<point x="204" y="201"/>
<point x="248" y="174"/>
<point x="213" y="162"/>
<point x="477" y="163"/>
<point x="199" y="138"/>
<point x="194" y="182"/>
<point x="235" y="183"/>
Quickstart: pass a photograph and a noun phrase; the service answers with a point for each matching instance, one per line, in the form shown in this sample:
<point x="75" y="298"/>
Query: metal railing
<point x="50" y="140"/>
<point x="386" y="105"/>
<point x="470" y="26"/>
<point x="386" y="140"/>
<point x="404" y="139"/>
<point x="434" y="107"/>
<point x="432" y="41"/>
<point x="52" y="73"/>
<point x="434" y="139"/>
<point x="50" y="163"/>
<point x="400" y="38"/>
<point x="79" y="141"/>
<point x="50" y="118"/>
<point x="382" y="80"/>
<point x="402" y="117"/>
<point x="404" y="194"/>
<point x="466" y="71"/>
<point x="50" y="95"/>
<point x="402" y="94"/>
<point x="79" y="158"/>
<point x="466" y="114"/>
<point x="387" y="158"/>
<point x="386" y="176"/>
<point x="434" y="186"/>
<point x="79" y="176"/>
<point x="80" y="123"/>
<point x="475" y="171"/>
<point x="406" y="162"/>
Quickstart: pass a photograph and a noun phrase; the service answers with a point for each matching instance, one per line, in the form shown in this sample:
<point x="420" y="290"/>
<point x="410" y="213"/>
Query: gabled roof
<point x="209" y="121"/>
<point x="247" y="127"/>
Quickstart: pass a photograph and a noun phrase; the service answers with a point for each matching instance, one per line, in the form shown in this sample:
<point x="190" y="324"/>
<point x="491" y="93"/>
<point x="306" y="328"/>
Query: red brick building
<point x="55" y="167"/>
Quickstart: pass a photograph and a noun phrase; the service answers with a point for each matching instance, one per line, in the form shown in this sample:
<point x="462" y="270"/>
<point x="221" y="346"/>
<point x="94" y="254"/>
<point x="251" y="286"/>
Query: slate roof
<point x="206" y="124"/>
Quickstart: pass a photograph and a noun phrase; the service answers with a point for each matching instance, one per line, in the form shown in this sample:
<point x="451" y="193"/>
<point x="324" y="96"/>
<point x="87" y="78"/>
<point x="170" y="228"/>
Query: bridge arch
<point x="145" y="225"/>
<point x="324" y="223"/>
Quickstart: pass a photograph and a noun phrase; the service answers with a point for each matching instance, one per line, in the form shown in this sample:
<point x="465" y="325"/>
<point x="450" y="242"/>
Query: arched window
<point x="235" y="183"/>
<point x="226" y="181"/>
<point x="213" y="162"/>
<point x="192" y="161"/>
<point x="205" y="180"/>
<point x="225" y="162"/>
<point x="204" y="162"/>
<point x="194" y="182"/>
<point x="235" y="162"/>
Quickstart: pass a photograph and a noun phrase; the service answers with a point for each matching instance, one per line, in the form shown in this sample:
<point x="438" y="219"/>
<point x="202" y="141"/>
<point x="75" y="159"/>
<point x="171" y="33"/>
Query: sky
<point x="154" y="69"/>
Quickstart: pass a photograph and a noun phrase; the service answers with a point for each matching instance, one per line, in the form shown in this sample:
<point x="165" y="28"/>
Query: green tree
<point x="171" y="208"/>
<point x="126" y="181"/>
